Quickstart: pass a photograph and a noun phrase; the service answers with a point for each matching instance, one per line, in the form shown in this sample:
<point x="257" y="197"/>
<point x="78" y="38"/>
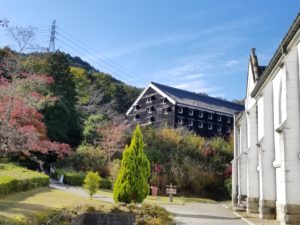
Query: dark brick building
<point x="161" y="105"/>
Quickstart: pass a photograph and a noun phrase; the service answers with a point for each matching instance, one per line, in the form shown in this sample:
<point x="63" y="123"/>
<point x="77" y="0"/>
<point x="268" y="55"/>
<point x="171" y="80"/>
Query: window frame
<point x="191" y="123"/>
<point x="191" y="112"/>
<point x="210" y="116"/>
<point x="180" y="121"/>
<point x="228" y="120"/>
<point x="210" y="127"/>
<point x="149" y="99"/>
<point x="180" y="110"/>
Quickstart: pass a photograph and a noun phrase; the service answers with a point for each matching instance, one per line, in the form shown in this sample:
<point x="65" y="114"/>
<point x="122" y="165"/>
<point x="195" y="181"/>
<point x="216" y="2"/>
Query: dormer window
<point x="136" y="117"/>
<point x="191" y="112"/>
<point x="191" y="123"/>
<point x="200" y="125"/>
<point x="210" y="116"/>
<point x="180" y="122"/>
<point x="149" y="99"/>
<point x="219" y="129"/>
<point x="180" y="110"/>
<point x="228" y="120"/>
<point x="200" y="114"/>
<point x="210" y="127"/>
<point x="164" y="101"/>
<point x="219" y="118"/>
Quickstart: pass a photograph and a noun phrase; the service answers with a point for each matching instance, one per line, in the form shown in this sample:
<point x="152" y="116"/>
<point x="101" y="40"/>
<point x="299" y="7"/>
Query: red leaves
<point x="18" y="113"/>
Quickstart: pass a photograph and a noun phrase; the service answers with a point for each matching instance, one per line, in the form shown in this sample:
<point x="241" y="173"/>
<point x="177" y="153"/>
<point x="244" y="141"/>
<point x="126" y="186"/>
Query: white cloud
<point x="231" y="63"/>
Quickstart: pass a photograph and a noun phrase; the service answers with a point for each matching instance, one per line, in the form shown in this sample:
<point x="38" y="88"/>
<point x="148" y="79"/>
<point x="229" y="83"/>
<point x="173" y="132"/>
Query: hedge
<point x="15" y="179"/>
<point x="75" y="178"/>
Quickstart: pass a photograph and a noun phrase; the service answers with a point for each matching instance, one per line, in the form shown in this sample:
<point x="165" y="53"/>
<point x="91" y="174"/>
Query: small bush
<point x="16" y="179"/>
<point x="149" y="214"/>
<point x="92" y="183"/>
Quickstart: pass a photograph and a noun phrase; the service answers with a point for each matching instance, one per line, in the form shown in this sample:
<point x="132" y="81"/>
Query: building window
<point x="180" y="121"/>
<point x="191" y="123"/>
<point x="149" y="99"/>
<point x="228" y="120"/>
<point x="149" y="109"/>
<point x="164" y="101"/>
<point x="210" y="116"/>
<point x="219" y="128"/>
<point x="219" y="118"/>
<point x="210" y="127"/>
<point x="150" y="119"/>
<point x="166" y="111"/>
<point x="136" y="117"/>
<point x="200" y="114"/>
<point x="200" y="125"/>
<point x="180" y="110"/>
<point x="191" y="112"/>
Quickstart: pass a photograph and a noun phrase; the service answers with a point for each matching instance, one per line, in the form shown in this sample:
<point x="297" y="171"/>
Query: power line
<point x="104" y="61"/>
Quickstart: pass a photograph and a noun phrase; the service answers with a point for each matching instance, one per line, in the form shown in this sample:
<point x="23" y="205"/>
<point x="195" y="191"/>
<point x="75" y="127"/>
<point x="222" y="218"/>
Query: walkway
<point x="188" y="214"/>
<point x="203" y="214"/>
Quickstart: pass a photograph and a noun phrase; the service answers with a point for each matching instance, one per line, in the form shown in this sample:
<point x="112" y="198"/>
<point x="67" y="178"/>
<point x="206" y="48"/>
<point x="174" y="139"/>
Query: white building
<point x="266" y="165"/>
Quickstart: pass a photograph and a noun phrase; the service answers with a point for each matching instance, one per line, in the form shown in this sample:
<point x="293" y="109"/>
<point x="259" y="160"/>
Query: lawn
<point x="164" y="199"/>
<point x="17" y="207"/>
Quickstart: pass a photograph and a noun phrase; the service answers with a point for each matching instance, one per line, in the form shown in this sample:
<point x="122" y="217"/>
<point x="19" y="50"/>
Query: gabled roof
<point x="192" y="99"/>
<point x="198" y="100"/>
<point x="281" y="50"/>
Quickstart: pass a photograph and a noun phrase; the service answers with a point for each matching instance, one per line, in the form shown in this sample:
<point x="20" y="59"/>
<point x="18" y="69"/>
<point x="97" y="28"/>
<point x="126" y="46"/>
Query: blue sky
<point x="201" y="46"/>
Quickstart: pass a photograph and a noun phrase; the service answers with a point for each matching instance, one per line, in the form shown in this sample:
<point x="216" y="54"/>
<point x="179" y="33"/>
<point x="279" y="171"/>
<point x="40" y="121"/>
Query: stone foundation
<point x="252" y="205"/>
<point x="267" y="209"/>
<point x="288" y="214"/>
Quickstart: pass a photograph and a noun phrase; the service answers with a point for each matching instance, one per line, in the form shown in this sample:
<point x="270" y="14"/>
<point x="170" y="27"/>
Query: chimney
<point x="254" y="64"/>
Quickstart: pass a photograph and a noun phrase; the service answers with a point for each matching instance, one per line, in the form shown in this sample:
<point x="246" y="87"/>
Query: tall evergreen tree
<point x="61" y="118"/>
<point x="132" y="182"/>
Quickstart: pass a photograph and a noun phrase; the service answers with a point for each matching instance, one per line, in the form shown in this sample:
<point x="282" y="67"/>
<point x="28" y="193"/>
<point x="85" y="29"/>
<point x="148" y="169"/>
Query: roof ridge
<point x="190" y="92"/>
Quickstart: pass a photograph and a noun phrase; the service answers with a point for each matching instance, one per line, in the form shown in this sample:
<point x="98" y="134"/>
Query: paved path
<point x="203" y="214"/>
<point x="188" y="214"/>
<point x="79" y="191"/>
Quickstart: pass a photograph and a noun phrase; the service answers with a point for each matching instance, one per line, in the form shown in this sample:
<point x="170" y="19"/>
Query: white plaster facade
<point x="266" y="165"/>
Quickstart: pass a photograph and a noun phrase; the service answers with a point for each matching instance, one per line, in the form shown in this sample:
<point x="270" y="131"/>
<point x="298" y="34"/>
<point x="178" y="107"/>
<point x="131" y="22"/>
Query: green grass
<point x="42" y="202"/>
<point x="15" y="179"/>
<point x="163" y="199"/>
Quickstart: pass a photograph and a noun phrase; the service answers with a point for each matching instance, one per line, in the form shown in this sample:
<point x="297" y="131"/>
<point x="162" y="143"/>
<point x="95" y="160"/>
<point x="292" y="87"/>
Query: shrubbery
<point x="16" y="179"/>
<point x="87" y="158"/>
<point x="76" y="178"/>
<point x="195" y="164"/>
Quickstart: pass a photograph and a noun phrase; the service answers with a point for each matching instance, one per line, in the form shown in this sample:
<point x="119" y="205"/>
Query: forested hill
<point x="81" y="91"/>
<point x="97" y="92"/>
<point x="100" y="92"/>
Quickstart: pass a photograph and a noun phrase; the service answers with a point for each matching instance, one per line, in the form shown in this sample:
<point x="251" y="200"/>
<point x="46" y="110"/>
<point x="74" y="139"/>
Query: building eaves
<point x="279" y="52"/>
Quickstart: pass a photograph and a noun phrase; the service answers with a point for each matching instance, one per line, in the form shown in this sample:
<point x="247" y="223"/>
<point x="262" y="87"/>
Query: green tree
<point x="132" y="182"/>
<point x="61" y="118"/>
<point x="92" y="183"/>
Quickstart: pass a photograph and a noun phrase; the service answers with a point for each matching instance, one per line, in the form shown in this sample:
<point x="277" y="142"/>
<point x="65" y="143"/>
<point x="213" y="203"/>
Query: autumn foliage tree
<point x="22" y="129"/>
